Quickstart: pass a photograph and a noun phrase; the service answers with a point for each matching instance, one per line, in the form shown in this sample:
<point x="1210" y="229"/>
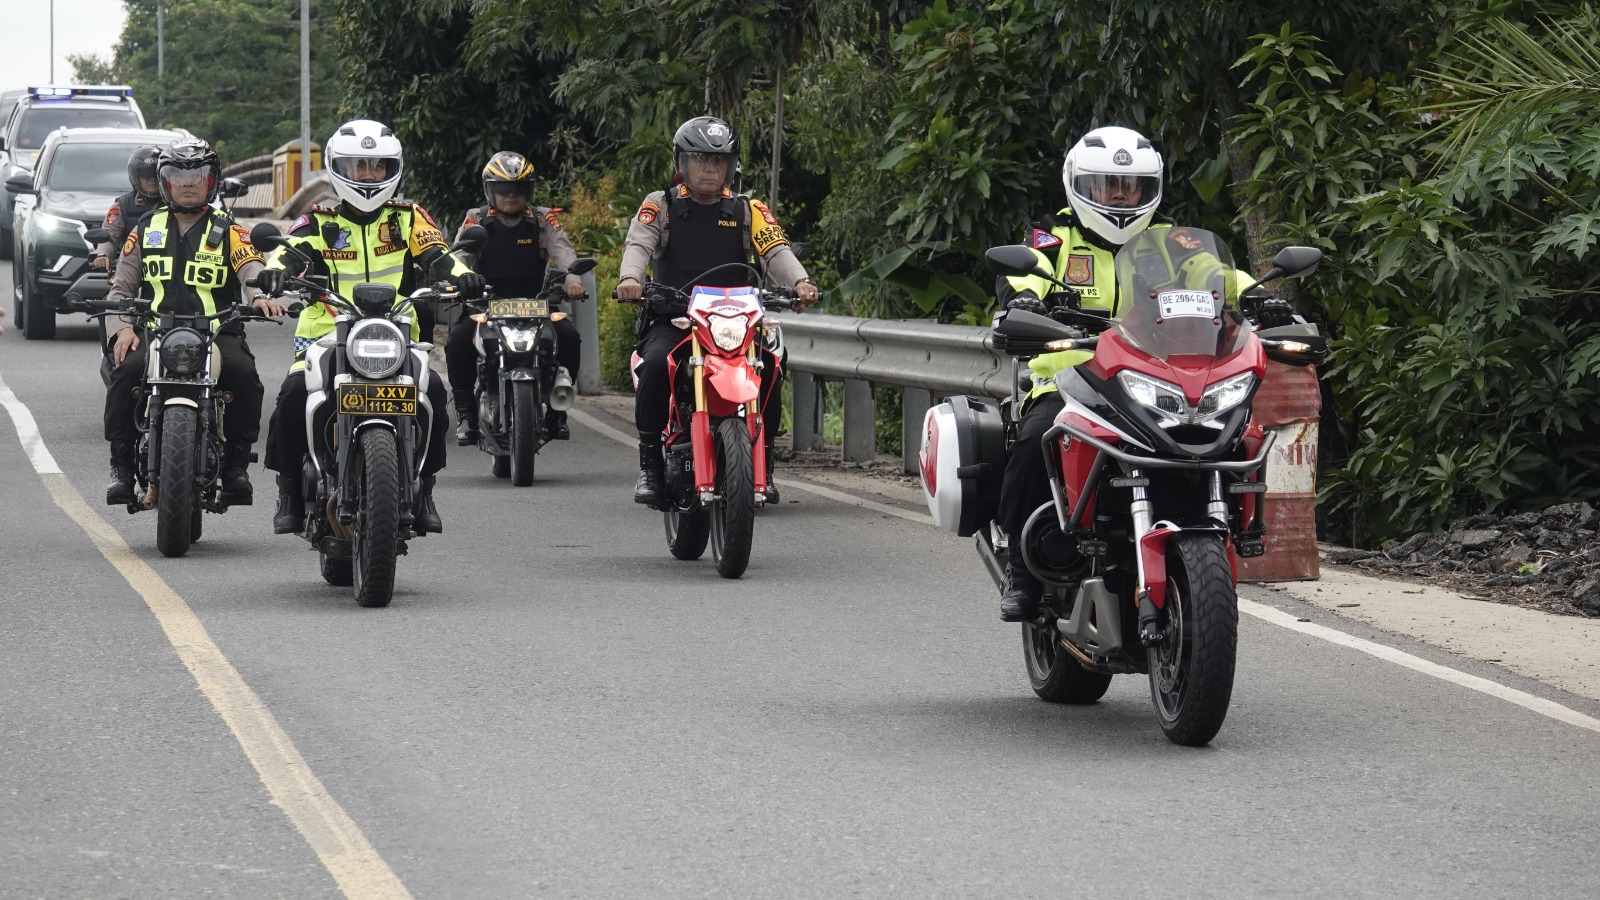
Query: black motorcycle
<point x="178" y="457"/>
<point x="366" y="395"/>
<point x="518" y="375"/>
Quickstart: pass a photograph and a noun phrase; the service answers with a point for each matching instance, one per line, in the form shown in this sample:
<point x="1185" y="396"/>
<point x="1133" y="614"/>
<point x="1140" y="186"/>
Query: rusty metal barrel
<point x="1288" y="404"/>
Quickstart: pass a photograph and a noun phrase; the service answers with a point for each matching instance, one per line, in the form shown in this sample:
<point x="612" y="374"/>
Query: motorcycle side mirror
<point x="233" y="187"/>
<point x="21" y="183"/>
<point x="1291" y="262"/>
<point x="802" y="250"/>
<point x="581" y="265"/>
<point x="1015" y="259"/>
<point x="97" y="235"/>
<point x="471" y="239"/>
<point x="266" y="236"/>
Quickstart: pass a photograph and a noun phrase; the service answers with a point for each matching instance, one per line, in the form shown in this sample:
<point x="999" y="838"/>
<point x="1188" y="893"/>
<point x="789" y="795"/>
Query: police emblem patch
<point x="1080" y="269"/>
<point x="299" y="223"/>
<point x="766" y="213"/>
<point x="1043" y="240"/>
<point x="716" y="131"/>
<point x="1122" y="158"/>
<point x="114" y="216"/>
<point x="367" y="143"/>
<point x="648" y="212"/>
<point x="555" y="224"/>
<point x="154" y="239"/>
<point x="343" y="240"/>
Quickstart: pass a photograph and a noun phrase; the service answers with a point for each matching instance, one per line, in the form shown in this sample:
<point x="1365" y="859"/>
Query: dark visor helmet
<point x="186" y="155"/>
<point x="507" y="168"/>
<point x="705" y="134"/>
<point x="142" y="164"/>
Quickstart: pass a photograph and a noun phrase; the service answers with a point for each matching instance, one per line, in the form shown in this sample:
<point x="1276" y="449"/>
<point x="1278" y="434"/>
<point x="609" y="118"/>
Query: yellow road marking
<point x="352" y="861"/>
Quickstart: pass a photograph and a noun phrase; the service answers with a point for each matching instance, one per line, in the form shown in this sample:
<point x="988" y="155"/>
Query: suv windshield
<point x="34" y="125"/>
<point x="89" y="167"/>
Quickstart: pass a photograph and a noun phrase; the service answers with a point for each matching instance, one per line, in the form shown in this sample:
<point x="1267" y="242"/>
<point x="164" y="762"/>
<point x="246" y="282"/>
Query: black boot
<point x="120" y="491"/>
<point x="555" y="425"/>
<point x="425" y="516"/>
<point x="291" y="514"/>
<point x="648" y="490"/>
<point x="235" y="475"/>
<point x="466" y="418"/>
<point x="1020" y="601"/>
<point x="772" y="486"/>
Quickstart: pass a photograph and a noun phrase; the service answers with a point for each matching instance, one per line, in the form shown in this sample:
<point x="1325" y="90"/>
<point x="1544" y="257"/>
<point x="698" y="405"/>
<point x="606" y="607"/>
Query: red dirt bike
<point x="715" y="475"/>
<point x="1155" y="471"/>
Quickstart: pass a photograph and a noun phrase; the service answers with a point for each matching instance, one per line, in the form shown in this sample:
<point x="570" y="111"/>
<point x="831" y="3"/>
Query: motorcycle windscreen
<point x="1176" y="293"/>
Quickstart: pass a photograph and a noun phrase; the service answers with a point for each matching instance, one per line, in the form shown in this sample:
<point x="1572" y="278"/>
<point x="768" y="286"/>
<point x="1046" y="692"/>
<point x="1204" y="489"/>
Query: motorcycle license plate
<point x="520" y="309"/>
<point x="378" y="399"/>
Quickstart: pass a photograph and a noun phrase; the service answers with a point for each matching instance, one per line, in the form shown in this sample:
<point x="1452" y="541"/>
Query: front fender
<point x="519" y="375"/>
<point x="181" y="401"/>
<point x="733" y="380"/>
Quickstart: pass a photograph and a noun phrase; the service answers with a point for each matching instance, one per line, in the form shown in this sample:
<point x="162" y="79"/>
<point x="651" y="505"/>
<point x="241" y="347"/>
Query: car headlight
<point x="48" y="222"/>
<point x="728" y="332"/>
<point x="183" y="352"/>
<point x="1161" y="396"/>
<point x="519" y="340"/>
<point x="1225" y="395"/>
<point x="376" y="349"/>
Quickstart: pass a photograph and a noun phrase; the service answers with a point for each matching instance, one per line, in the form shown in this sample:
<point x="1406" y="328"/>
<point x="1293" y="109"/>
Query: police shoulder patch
<point x="131" y="244"/>
<point x="648" y="211"/>
<point x="299" y="223"/>
<point x="1043" y="240"/>
<point x="114" y="215"/>
<point x="426" y="216"/>
<point x="765" y="213"/>
<point x="550" y="217"/>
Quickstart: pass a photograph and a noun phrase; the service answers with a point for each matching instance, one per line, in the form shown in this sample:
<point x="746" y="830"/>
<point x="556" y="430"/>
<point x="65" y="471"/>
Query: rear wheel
<point x="377" y="527"/>
<point x="175" y="496"/>
<point x="733" y="513"/>
<point x="1191" y="672"/>
<point x="39" y="320"/>
<point x="1055" y="675"/>
<point x="524" y="431"/>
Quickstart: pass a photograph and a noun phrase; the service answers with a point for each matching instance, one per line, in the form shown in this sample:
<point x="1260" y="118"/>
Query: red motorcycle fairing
<point x="730" y="384"/>
<point x="1191" y="374"/>
<point x="1153" y="561"/>
<point x="1077" y="458"/>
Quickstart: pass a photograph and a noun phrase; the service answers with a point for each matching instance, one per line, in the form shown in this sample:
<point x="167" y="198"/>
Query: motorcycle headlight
<point x="1166" y="399"/>
<point x="376" y="349"/>
<point x="728" y="331"/>
<point x="1225" y="395"/>
<point x="183" y="352"/>
<point x="519" y="340"/>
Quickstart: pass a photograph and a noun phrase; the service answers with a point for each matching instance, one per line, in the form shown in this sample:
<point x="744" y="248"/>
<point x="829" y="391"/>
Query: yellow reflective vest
<point x="222" y="250"/>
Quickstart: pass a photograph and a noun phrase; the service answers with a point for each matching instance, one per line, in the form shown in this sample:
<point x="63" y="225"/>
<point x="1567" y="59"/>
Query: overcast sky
<point x="82" y="26"/>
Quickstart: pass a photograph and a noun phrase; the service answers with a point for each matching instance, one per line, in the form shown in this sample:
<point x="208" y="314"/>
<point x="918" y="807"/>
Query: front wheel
<point x="1055" y="675"/>
<point x="377" y="526"/>
<point x="524" y="431"/>
<point x="175" y="495"/>
<point x="733" y="513"/>
<point x="39" y="323"/>
<point x="1191" y="672"/>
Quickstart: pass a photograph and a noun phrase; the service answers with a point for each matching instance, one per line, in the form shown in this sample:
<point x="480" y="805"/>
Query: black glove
<point x="471" y="285"/>
<point x="270" y="281"/>
<point x="1027" y="302"/>
<point x="1268" y="310"/>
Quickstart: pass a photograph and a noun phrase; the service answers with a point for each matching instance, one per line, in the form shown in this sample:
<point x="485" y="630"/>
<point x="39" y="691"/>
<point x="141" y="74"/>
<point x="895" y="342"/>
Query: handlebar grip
<point x="295" y="309"/>
<point x="104" y="305"/>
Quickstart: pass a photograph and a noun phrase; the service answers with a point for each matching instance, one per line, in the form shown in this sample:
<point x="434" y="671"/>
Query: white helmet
<point x="1113" y="181"/>
<point x="351" y="154"/>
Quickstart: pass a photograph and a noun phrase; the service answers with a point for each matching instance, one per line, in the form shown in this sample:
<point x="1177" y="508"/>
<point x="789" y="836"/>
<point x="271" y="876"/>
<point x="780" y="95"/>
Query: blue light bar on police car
<point x="61" y="91"/>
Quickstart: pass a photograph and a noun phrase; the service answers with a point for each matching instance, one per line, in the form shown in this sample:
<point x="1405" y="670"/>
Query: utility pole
<point x="305" y="92"/>
<point x="161" y="54"/>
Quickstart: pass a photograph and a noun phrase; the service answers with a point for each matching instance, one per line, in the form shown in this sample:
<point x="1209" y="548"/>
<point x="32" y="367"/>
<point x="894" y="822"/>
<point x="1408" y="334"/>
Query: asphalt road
<point x="553" y="706"/>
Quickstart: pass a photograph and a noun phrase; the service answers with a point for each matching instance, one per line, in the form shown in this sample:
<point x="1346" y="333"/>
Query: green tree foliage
<point x="232" y="71"/>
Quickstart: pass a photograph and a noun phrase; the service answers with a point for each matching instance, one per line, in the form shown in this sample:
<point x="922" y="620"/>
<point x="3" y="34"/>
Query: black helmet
<point x="188" y="154"/>
<point x="705" y="134"/>
<point x="506" y="167"/>
<point x="142" y="164"/>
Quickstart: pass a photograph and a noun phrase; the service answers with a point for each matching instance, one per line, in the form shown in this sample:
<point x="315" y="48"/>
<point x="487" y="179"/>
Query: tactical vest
<point x="511" y="259"/>
<point x="185" y="272"/>
<point x="701" y="237"/>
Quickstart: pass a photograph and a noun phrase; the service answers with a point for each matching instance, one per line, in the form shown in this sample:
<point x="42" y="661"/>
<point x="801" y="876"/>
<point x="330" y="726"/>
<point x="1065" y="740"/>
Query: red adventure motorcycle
<point x="1155" y="470"/>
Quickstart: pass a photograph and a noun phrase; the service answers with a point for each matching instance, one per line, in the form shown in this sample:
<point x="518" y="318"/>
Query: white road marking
<point x="28" y="431"/>
<point x="1260" y="611"/>
<point x="336" y="839"/>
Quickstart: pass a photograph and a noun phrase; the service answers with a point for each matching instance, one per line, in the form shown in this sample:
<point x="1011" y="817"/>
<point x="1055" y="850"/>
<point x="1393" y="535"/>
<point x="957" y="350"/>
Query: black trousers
<point x="288" y="444"/>
<point x="1026" y="484"/>
<point x="650" y="402"/>
<point x="241" y="419"/>
<point x="461" y="358"/>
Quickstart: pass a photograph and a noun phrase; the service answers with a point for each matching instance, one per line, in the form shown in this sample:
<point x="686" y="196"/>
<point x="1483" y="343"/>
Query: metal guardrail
<point x="924" y="358"/>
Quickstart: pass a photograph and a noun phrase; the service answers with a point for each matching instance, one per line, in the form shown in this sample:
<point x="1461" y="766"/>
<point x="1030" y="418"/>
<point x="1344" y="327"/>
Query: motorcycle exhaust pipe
<point x="562" y="394"/>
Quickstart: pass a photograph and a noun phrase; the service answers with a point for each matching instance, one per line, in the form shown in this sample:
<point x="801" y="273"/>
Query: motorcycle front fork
<point x="705" y="472"/>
